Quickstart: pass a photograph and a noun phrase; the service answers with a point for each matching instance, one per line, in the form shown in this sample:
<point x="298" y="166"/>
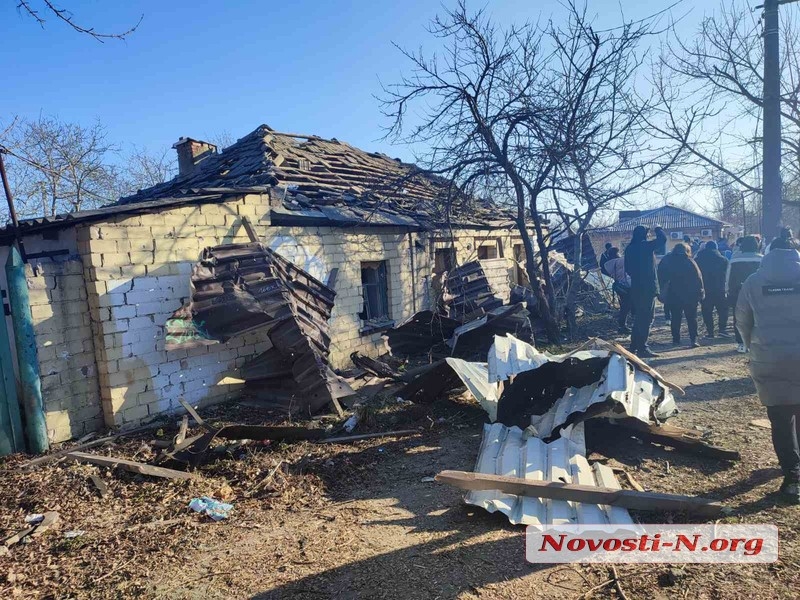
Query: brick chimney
<point x="191" y="153"/>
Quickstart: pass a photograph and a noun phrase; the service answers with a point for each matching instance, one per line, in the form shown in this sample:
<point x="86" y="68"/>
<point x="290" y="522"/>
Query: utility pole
<point x="771" y="192"/>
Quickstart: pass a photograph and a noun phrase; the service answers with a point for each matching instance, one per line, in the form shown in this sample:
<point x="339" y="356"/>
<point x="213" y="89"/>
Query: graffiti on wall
<point x="312" y="262"/>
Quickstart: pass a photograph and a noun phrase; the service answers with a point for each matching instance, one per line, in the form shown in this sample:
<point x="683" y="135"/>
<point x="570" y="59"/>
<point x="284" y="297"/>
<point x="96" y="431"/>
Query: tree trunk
<point x="574" y="285"/>
<point x="543" y="306"/>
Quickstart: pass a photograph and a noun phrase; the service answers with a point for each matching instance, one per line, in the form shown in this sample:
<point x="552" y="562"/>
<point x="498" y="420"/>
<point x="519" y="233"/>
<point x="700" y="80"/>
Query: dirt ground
<point x="363" y="520"/>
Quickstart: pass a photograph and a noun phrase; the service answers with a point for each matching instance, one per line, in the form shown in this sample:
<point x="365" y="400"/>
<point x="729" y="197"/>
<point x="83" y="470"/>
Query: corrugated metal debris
<point x="511" y="452"/>
<point x="467" y="290"/>
<point x="423" y="332"/>
<point x="238" y="288"/>
<point x="519" y="385"/>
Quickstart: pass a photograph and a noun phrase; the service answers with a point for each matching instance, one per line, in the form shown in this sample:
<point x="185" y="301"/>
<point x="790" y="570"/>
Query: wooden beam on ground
<point x="678" y="438"/>
<point x="190" y="409"/>
<point x="184" y="427"/>
<point x="367" y="436"/>
<point x="62" y="453"/>
<point x="128" y="465"/>
<point x="102" y="486"/>
<point x="645" y="501"/>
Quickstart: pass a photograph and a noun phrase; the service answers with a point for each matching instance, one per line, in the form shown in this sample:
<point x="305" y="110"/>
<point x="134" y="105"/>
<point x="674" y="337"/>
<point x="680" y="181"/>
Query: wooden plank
<point x="645" y="501"/>
<point x="62" y="453"/>
<point x="367" y="436"/>
<point x="128" y="465"/>
<point x="678" y="438"/>
<point x="190" y="409"/>
<point x="184" y="427"/>
<point x="102" y="486"/>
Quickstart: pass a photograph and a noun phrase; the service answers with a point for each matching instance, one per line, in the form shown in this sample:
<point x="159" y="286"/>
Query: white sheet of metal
<point x="476" y="377"/>
<point x="509" y="356"/>
<point x="508" y="451"/>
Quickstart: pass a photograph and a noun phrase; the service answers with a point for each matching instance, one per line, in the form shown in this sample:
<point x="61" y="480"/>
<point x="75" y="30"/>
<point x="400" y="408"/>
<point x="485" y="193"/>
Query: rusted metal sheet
<point x="467" y="290"/>
<point x="423" y="332"/>
<point x="237" y="288"/>
<point x="508" y="451"/>
<point x="474" y="339"/>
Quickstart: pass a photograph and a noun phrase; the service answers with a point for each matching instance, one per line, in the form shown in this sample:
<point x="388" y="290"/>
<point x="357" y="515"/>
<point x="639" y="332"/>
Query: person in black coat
<point x="682" y="290"/>
<point x="640" y="264"/>
<point x="714" y="267"/>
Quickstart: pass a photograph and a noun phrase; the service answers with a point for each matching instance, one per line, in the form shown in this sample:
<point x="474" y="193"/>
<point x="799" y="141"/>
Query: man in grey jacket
<point x="768" y="319"/>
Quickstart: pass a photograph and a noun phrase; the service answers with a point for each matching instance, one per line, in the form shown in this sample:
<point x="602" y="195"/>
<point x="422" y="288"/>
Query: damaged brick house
<point x="104" y="282"/>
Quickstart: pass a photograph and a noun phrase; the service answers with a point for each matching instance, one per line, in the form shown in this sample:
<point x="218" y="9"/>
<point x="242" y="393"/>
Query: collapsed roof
<point x="238" y="288"/>
<point x="321" y="181"/>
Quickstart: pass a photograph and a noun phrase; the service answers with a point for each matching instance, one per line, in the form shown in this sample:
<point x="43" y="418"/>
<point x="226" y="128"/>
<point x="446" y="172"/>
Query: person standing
<point x="742" y="264"/>
<point x="622" y="287"/>
<point x="640" y="264"/>
<point x="768" y="320"/>
<point x="713" y="267"/>
<point x="604" y="258"/>
<point x="682" y="290"/>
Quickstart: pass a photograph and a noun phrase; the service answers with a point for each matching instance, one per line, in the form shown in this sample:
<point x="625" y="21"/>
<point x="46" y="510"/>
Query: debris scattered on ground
<point x="212" y="508"/>
<point x="763" y="423"/>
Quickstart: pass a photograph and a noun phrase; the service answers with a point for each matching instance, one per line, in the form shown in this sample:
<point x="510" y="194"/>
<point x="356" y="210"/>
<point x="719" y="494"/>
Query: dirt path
<point x="386" y="532"/>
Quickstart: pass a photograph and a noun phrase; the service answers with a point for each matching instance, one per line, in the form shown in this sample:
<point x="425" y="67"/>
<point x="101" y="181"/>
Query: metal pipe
<point x="9" y="198"/>
<point x="11" y="210"/>
<point x="27" y="356"/>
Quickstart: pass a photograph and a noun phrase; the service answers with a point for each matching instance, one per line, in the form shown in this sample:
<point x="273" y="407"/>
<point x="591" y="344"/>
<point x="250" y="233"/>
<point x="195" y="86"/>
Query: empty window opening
<point x="487" y="252"/>
<point x="375" y="288"/>
<point x="444" y="260"/>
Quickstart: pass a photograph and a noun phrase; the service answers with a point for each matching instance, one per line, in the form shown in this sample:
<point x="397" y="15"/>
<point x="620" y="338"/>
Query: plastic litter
<point x="73" y="534"/>
<point x="351" y="423"/>
<point x="213" y="508"/>
<point x="34" y="518"/>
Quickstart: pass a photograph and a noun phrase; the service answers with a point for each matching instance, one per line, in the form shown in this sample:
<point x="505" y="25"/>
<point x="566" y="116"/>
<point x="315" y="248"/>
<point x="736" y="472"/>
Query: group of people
<point x="763" y="289"/>
<point x="691" y="279"/>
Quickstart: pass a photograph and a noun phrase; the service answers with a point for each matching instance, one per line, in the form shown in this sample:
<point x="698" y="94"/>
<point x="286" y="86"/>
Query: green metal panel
<point x="27" y="358"/>
<point x="10" y="421"/>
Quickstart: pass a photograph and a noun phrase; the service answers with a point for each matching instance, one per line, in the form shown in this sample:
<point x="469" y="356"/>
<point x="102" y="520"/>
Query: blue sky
<point x="200" y="68"/>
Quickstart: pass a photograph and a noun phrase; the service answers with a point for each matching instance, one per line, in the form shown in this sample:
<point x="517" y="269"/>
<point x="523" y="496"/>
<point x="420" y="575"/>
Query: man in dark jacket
<point x="742" y="264"/>
<point x="682" y="290"/>
<point x="604" y="258"/>
<point x="640" y="264"/>
<point x="714" y="268"/>
<point x="768" y="319"/>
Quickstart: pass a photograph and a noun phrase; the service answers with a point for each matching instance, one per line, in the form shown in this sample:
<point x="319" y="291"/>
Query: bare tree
<point x="143" y="169"/>
<point x="46" y="8"/>
<point x="480" y="114"/>
<point x="612" y="151"/>
<point x="60" y="167"/>
<point x="532" y="113"/>
<point x="720" y="76"/>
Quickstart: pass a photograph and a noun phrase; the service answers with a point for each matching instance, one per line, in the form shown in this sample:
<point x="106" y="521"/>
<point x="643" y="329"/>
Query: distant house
<point x="104" y="282"/>
<point x="676" y="222"/>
